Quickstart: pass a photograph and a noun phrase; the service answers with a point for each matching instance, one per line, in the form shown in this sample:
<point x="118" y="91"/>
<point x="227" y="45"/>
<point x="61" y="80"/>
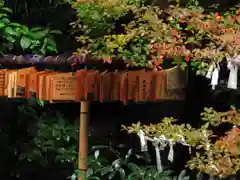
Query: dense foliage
<point x="145" y="35"/>
<point x="18" y="39"/>
<point x="216" y="155"/>
<point x="54" y="140"/>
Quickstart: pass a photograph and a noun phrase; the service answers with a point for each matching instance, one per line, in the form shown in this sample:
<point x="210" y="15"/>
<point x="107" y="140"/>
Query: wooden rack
<point x="88" y="85"/>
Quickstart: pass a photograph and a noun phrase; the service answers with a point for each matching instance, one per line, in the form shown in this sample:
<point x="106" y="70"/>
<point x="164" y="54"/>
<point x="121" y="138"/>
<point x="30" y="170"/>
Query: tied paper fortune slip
<point x="232" y="65"/>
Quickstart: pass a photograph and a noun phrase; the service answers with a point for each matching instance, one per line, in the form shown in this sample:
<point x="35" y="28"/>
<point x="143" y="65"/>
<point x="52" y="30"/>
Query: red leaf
<point x="107" y="60"/>
<point x="187" y="58"/>
<point x="158" y="62"/>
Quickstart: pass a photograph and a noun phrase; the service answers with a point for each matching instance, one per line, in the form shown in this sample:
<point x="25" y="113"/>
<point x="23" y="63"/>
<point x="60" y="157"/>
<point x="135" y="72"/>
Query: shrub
<point x="215" y="156"/>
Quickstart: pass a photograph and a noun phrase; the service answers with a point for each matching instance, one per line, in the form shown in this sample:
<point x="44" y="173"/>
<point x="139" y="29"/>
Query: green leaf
<point x="55" y="32"/>
<point x="105" y="170"/>
<point x="25" y="30"/>
<point x="43" y="51"/>
<point x="13" y="31"/>
<point x="10" y="38"/>
<point x="2" y="25"/>
<point x="25" y="42"/>
<point x="133" y="167"/>
<point x="9" y="30"/>
<point x="35" y="43"/>
<point x="93" y="178"/>
<point x="90" y="172"/>
<point x="5" y="20"/>
<point x="15" y="25"/>
<point x="51" y="49"/>
<point x="34" y="29"/>
<point x="50" y="41"/>
<point x="40" y="102"/>
<point x="38" y="35"/>
<point x="6" y="9"/>
<point x="3" y="16"/>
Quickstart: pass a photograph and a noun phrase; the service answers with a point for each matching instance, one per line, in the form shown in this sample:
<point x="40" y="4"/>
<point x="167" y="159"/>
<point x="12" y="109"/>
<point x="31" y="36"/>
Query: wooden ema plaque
<point x="105" y="86"/>
<point x="47" y="85"/>
<point x="146" y="83"/>
<point x="133" y="84"/>
<point x="40" y="84"/>
<point x="176" y="78"/>
<point x="32" y="85"/>
<point x="22" y="81"/>
<point x="124" y="88"/>
<point x="2" y="81"/>
<point x="10" y="83"/>
<point x="63" y="86"/>
<point x="80" y="85"/>
<point x="160" y="85"/>
<point x="6" y="82"/>
<point x="14" y="84"/>
<point x="32" y="81"/>
<point x="115" y="95"/>
<point x="176" y="82"/>
<point x="92" y="85"/>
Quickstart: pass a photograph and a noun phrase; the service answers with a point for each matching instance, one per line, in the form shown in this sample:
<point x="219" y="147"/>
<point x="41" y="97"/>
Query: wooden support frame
<point x="83" y="139"/>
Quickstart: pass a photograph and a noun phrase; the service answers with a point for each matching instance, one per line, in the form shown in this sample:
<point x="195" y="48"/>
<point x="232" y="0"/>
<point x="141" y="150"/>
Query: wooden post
<point x="83" y="140"/>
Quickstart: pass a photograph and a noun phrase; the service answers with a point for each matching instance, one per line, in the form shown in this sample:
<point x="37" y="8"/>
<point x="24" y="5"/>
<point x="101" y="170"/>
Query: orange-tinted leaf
<point x="107" y="60"/>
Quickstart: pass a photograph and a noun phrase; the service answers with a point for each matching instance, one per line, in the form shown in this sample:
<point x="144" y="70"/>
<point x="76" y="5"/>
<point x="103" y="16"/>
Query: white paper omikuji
<point x="199" y="176"/>
<point x="210" y="71"/>
<point x="73" y="177"/>
<point x="156" y="143"/>
<point x="184" y="143"/>
<point x="143" y="141"/>
<point x="214" y="167"/>
<point x="211" y="178"/>
<point x="215" y="76"/>
<point x="233" y="75"/>
<point x="235" y="60"/>
<point x="171" y="151"/>
<point x="163" y="143"/>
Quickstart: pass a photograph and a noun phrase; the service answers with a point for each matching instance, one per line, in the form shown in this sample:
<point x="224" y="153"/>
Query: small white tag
<point x="163" y="139"/>
<point x="210" y="71"/>
<point x="163" y="143"/>
<point x="171" y="151"/>
<point x="214" y="167"/>
<point x="233" y="75"/>
<point x="161" y="147"/>
<point x="143" y="141"/>
<point x="215" y="76"/>
<point x="156" y="143"/>
<point x="211" y="178"/>
<point x="199" y="176"/>
<point x="233" y="64"/>
<point x="73" y="177"/>
<point x="236" y="60"/>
